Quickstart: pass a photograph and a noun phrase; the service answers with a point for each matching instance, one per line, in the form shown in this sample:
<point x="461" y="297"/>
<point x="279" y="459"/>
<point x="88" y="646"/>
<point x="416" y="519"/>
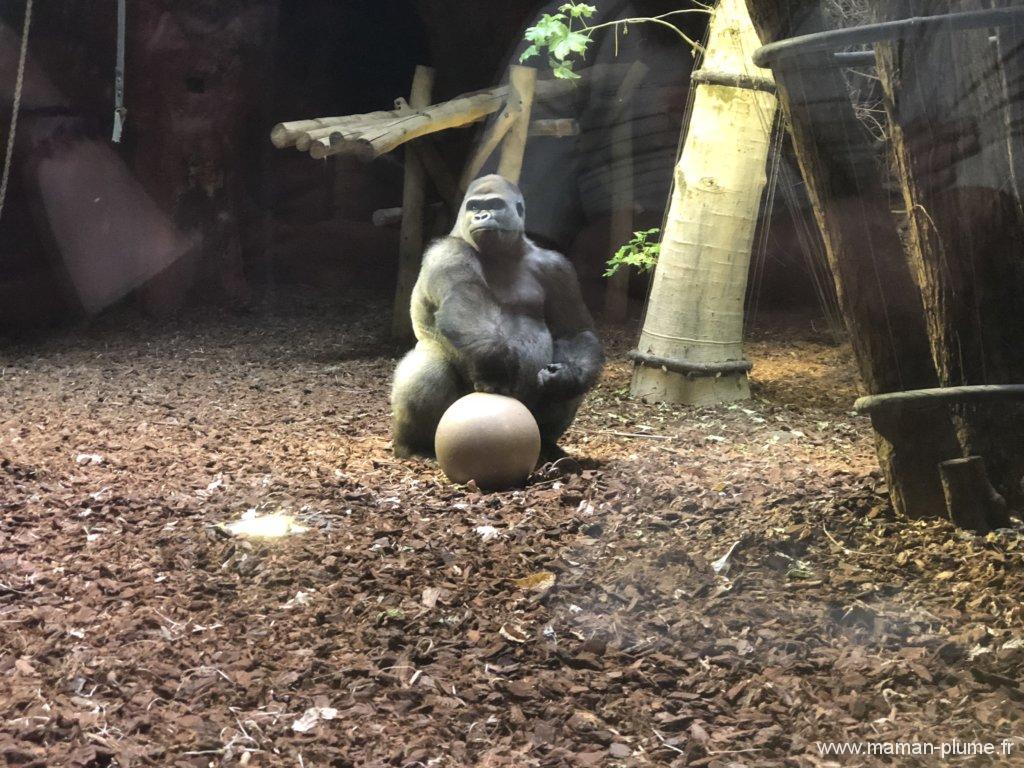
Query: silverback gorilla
<point x="493" y="312"/>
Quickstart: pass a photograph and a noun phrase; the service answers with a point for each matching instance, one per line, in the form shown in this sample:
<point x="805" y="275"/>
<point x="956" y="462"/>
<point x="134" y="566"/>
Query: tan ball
<point x="491" y="439"/>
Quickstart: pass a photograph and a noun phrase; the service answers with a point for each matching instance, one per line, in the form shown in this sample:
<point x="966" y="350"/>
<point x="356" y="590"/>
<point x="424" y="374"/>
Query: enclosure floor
<point x="133" y="632"/>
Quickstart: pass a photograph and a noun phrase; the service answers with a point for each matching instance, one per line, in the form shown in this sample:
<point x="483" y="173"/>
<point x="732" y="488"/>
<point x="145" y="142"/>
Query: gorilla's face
<point x="492" y="218"/>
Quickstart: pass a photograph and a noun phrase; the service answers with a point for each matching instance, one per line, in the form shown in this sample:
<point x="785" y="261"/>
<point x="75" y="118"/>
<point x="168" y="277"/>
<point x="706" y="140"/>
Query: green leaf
<point x="529" y="53"/>
<point x="546" y="28"/>
<point x="640" y="253"/>
<point x="535" y="34"/>
<point x="577" y="42"/>
<point x="564" y="72"/>
<point x="578" y="10"/>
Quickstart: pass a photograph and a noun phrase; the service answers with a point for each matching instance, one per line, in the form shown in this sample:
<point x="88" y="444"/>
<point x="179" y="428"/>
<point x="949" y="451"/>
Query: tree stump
<point x="971" y="500"/>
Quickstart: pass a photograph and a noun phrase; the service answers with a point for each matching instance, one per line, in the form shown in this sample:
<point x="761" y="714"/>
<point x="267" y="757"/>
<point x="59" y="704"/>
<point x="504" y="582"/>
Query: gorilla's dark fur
<point x="493" y="312"/>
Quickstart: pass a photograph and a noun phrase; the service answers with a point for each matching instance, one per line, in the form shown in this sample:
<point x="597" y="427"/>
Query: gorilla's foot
<point x="550" y="452"/>
<point x="404" y="451"/>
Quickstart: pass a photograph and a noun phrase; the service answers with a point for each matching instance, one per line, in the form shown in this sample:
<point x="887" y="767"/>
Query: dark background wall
<point x="205" y="81"/>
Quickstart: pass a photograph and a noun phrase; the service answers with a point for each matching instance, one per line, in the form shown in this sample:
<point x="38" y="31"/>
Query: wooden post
<point x="493" y="136"/>
<point x="616" y="297"/>
<point x="523" y="81"/>
<point x="878" y="297"/>
<point x="691" y="347"/>
<point x="971" y="500"/>
<point x="410" y="248"/>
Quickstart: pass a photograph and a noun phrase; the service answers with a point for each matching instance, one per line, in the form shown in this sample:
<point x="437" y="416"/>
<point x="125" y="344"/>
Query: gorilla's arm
<point x="578" y="356"/>
<point x="466" y="316"/>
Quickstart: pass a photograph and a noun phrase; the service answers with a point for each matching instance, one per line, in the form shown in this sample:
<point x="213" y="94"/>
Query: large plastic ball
<point x="491" y="439"/>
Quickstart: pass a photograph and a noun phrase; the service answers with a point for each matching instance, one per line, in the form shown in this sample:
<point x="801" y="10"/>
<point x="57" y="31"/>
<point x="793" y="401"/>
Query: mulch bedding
<point x="718" y="586"/>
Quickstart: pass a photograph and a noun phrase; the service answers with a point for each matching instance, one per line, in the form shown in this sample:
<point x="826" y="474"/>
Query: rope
<point x="16" y="104"/>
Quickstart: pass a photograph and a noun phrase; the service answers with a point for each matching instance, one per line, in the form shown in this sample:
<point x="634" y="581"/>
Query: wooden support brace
<point x="410" y="247"/>
<point x="560" y="127"/>
<point x="522" y="81"/>
<point x="496" y="131"/>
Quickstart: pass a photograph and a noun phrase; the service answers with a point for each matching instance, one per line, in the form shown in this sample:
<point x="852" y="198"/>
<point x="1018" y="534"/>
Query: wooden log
<point x="410" y="248"/>
<point x="616" y="296"/>
<point x="379" y="136"/>
<point x="304" y="140"/>
<point x="286" y="134"/>
<point x="493" y="136"/>
<point x="523" y="82"/>
<point x="376" y="133"/>
<point x="560" y="127"/>
<point x="387" y="217"/>
<point x="339" y="144"/>
<point x="879" y="300"/>
<point x="971" y="501"/>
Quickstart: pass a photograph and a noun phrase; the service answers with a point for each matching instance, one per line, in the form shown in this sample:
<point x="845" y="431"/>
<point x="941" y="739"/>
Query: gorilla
<point x="494" y="312"/>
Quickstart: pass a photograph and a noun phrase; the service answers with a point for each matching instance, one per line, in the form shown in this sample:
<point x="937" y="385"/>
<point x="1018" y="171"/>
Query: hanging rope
<point x="16" y="104"/>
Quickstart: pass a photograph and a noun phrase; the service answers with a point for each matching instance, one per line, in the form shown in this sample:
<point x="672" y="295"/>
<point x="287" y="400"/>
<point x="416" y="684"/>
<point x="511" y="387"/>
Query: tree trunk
<point x="695" y="314"/>
<point x="410" y="244"/>
<point x="879" y="300"/>
<point x="951" y="136"/>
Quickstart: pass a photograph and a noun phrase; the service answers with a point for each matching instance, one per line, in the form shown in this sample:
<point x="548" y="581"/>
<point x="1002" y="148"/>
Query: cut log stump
<point x="970" y="498"/>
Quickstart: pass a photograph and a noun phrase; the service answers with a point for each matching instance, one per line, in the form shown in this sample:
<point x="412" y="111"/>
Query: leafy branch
<point x="567" y="32"/>
<point x="641" y="252"/>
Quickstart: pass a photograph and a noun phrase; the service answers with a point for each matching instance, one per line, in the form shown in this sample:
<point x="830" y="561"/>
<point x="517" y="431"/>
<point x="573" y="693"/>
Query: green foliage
<point x="554" y="33"/>
<point x="641" y="252"/>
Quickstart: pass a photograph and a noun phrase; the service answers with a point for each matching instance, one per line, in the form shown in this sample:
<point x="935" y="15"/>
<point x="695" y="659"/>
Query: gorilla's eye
<point x="520" y="210"/>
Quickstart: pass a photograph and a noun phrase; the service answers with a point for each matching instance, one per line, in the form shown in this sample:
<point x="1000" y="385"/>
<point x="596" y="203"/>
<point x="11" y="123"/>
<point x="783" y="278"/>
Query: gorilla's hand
<point x="496" y="373"/>
<point x="559" y="381"/>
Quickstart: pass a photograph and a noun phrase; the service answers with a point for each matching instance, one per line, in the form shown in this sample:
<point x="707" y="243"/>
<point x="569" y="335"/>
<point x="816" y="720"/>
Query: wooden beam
<point x="410" y="248"/>
<point x="496" y="131"/>
<point x="287" y="134"/>
<point x="559" y="127"/>
<point x="523" y="82"/>
<point x="370" y="135"/>
<point x="377" y="136"/>
<point x="616" y="296"/>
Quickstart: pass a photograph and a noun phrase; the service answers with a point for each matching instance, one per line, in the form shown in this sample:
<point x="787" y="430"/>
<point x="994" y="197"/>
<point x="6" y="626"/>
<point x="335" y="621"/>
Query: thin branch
<point x="660" y="20"/>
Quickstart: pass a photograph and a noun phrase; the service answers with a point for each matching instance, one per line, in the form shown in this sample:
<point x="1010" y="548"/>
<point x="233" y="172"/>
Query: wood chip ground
<point x="590" y="619"/>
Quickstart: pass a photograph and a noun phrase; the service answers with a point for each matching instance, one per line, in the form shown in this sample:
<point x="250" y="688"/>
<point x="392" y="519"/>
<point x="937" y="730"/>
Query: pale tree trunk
<point x="690" y="350"/>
